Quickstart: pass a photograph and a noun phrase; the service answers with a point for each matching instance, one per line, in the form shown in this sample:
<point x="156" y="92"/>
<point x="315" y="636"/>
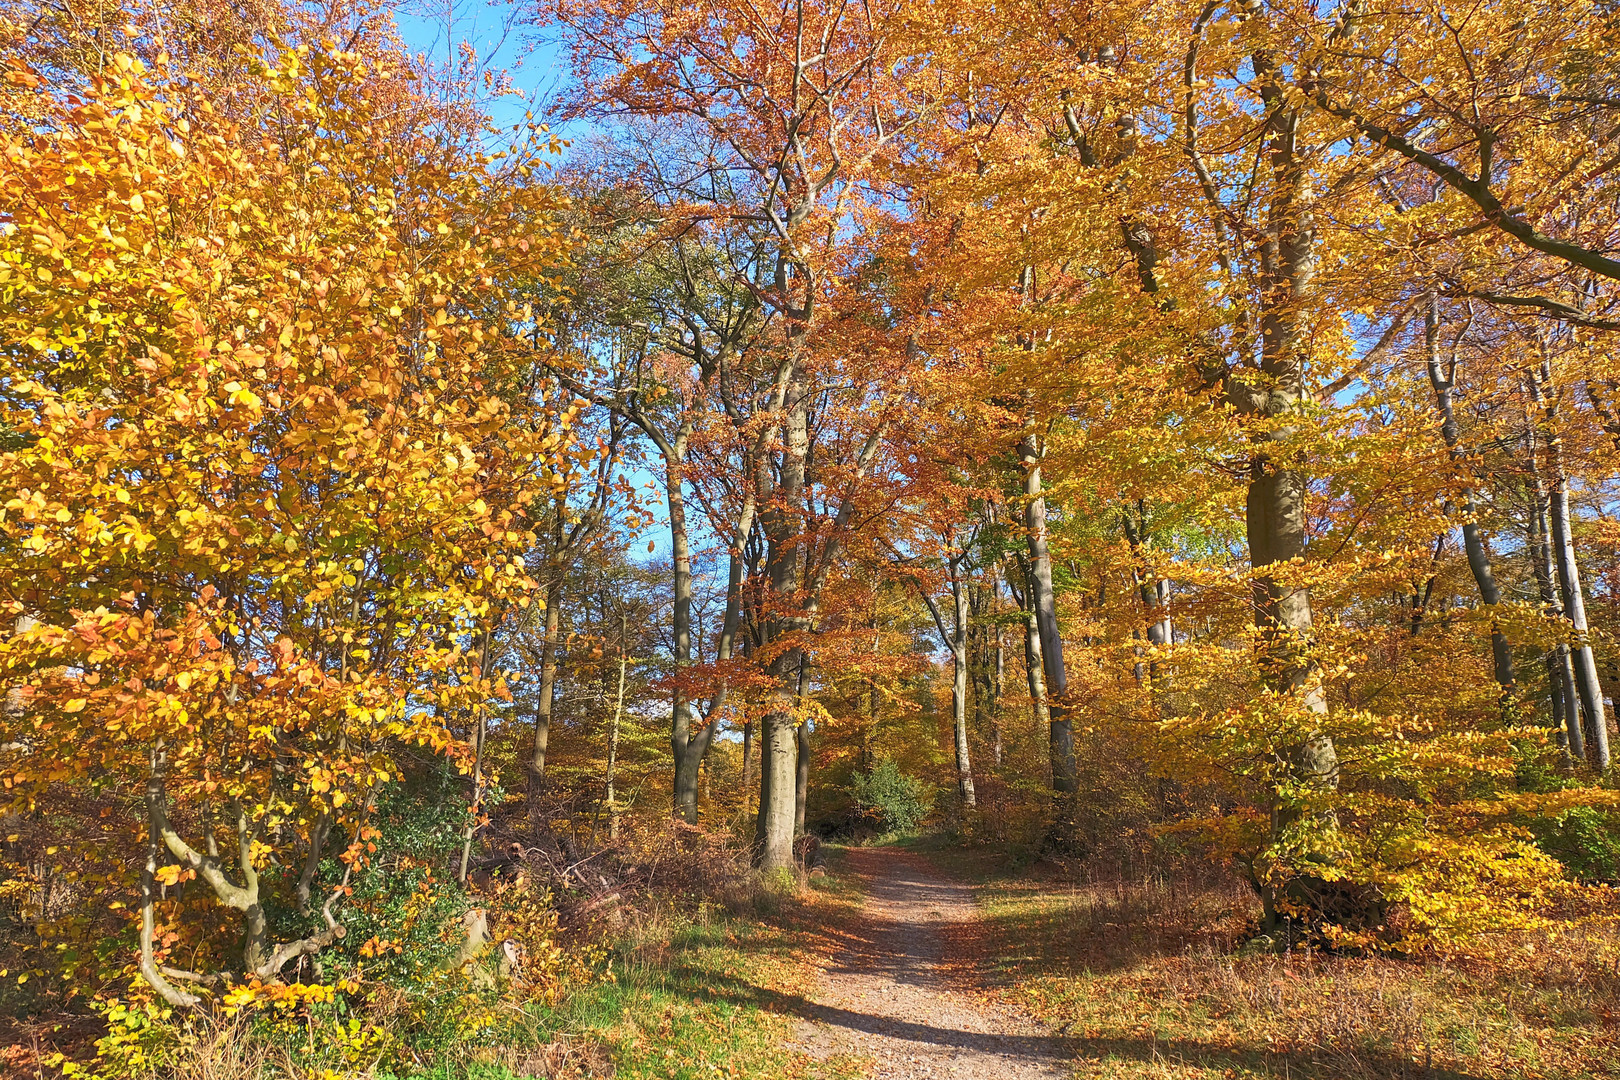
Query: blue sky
<point x="538" y="68"/>
<point x="497" y="32"/>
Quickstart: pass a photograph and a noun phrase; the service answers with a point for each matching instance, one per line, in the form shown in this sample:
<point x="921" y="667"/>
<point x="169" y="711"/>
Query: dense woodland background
<point x="1163" y="439"/>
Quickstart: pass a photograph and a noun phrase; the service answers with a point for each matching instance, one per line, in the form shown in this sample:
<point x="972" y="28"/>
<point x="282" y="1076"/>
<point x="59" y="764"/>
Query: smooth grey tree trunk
<point x="613" y="731"/>
<point x="1034" y="676"/>
<point x="959" y="690"/>
<point x="1479" y="557"/>
<point x="779" y="752"/>
<point x="955" y="638"/>
<point x="1155" y="594"/>
<point x="1561" y="694"/>
<point x="1587" y="687"/>
<point x="688" y="746"/>
<point x="1043" y="604"/>
<point x="546" y="700"/>
<point x="1595" y="726"/>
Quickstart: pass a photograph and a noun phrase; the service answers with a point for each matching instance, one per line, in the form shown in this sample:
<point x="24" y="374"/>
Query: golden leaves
<point x="218" y="458"/>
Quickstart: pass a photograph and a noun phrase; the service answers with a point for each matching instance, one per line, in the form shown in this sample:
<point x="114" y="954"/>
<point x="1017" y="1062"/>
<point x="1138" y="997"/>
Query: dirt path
<point x="897" y="992"/>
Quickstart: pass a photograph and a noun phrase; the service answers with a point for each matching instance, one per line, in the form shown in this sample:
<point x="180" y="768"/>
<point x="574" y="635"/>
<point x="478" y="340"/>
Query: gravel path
<point x="895" y="994"/>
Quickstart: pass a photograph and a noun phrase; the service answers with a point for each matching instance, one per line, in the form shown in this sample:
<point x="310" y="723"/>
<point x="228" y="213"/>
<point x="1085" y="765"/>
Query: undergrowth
<point x="1151" y="979"/>
<point x="680" y="984"/>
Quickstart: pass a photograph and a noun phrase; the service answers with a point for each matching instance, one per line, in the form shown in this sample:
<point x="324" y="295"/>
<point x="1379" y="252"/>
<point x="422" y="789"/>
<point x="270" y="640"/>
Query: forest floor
<point x="935" y="962"/>
<point x="1150" y="981"/>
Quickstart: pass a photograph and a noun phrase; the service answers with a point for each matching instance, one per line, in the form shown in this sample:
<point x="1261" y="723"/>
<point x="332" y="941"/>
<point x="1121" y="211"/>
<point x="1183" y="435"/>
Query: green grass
<point x="692" y="995"/>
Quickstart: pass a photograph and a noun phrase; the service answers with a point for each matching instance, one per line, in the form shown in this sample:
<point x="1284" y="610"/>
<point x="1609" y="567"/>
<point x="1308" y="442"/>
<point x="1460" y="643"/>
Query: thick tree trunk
<point x="779" y="759"/>
<point x="1043" y="605"/>
<point x="779" y="753"/>
<point x="1275" y="507"/>
<point x="1479" y="558"/>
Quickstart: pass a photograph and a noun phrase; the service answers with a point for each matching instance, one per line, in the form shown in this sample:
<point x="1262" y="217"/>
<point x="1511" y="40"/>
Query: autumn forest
<point x="1095" y="526"/>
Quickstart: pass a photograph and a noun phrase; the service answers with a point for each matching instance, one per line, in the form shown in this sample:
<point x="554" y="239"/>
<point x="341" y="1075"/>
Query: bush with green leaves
<point x="890" y="799"/>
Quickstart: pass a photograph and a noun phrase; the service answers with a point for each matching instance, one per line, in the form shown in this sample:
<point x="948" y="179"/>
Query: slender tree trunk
<point x="13" y="711"/>
<point x="959" y="689"/>
<point x="1155" y="594"/>
<point x="1479" y="557"/>
<point x="1561" y="694"/>
<point x="688" y="746"/>
<point x="155" y="858"/>
<point x="613" y="731"/>
<point x="872" y="701"/>
<point x="1034" y="675"/>
<point x="1595" y="723"/>
<point x="1587" y="687"/>
<point x="480" y="729"/>
<point x="998" y="687"/>
<point x="801" y="775"/>
<point x="1043" y="604"/>
<point x="546" y="699"/>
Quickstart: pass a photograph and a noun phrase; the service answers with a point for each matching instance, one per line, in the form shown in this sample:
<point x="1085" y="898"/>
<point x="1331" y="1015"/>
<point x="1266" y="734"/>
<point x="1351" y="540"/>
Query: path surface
<point x="895" y="991"/>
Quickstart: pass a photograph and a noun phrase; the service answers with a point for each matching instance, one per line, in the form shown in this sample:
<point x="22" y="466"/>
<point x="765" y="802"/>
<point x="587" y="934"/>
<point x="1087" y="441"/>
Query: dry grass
<point x="1149" y="980"/>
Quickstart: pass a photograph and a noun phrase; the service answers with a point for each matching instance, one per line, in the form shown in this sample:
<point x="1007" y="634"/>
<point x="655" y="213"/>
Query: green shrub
<point x="890" y="799"/>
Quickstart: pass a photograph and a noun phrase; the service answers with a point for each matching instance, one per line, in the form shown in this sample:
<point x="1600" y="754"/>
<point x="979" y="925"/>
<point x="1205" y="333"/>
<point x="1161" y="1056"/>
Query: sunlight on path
<point x="887" y="995"/>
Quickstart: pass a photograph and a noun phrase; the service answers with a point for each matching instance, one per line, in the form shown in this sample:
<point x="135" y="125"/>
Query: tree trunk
<point x="779" y="754"/>
<point x="1043" y="606"/>
<point x="480" y="729"/>
<point x="1479" y="557"/>
<point x="1587" y="688"/>
<point x="613" y="731"/>
<point x="778" y="770"/>
<point x="1595" y="724"/>
<point x="1275" y="506"/>
<point x="546" y="699"/>
<point x="959" y="689"/>
<point x="1034" y="676"/>
<point x="1565" y="703"/>
<point x="801" y="775"/>
<point x="687" y="746"/>
<point x="1155" y="594"/>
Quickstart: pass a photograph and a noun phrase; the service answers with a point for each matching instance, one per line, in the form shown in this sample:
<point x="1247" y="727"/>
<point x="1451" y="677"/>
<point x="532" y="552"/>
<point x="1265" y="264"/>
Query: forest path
<point x="899" y="990"/>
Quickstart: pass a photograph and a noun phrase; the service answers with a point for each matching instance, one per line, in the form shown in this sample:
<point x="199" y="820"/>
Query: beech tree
<point x="275" y="461"/>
